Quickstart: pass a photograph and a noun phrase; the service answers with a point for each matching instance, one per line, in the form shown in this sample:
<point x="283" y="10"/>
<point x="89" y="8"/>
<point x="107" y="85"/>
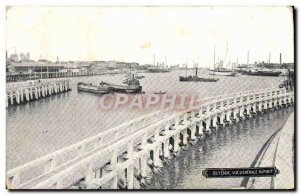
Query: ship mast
<point x="166" y="61"/>
<point x="196" y="68"/>
<point x="214" y="59"/>
<point x="225" y="54"/>
<point x="248" y="59"/>
<point x="186" y="68"/>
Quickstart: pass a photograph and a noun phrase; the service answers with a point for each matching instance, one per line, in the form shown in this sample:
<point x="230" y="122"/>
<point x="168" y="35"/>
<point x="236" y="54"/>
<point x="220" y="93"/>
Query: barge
<point x="102" y="88"/>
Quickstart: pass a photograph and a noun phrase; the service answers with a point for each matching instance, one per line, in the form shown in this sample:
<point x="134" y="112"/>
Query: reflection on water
<point x="232" y="147"/>
<point x="40" y="127"/>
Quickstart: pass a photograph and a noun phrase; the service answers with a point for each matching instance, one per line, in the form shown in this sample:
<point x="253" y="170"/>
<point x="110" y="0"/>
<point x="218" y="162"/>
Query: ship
<point x="261" y="72"/>
<point x="220" y="70"/>
<point x="195" y="78"/>
<point x="160" y="68"/>
<point x="156" y="69"/>
<point x="133" y="78"/>
<point x="132" y="85"/>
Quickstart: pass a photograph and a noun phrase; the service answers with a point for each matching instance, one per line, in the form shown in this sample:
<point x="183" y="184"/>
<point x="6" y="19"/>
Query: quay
<point x="277" y="152"/>
<point x="15" y="76"/>
<point x="21" y="92"/>
<point x="121" y="157"/>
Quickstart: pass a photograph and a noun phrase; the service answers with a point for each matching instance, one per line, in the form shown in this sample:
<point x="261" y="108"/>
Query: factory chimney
<point x="280" y="59"/>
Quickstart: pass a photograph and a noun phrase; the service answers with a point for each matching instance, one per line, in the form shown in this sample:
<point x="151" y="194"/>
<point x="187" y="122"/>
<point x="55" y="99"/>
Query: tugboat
<point x="132" y="77"/>
<point x="195" y="78"/>
<point x="132" y="86"/>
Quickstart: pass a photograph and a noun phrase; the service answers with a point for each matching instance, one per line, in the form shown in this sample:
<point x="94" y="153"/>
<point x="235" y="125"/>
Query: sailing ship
<point x="195" y="78"/>
<point x="220" y="70"/>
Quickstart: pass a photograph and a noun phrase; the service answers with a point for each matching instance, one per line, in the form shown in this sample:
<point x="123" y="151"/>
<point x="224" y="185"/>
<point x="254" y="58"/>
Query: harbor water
<point x="235" y="146"/>
<point x="40" y="127"/>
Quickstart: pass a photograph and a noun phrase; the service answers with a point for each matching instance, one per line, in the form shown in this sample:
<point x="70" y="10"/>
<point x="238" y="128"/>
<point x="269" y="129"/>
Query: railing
<point x="145" y="125"/>
<point x="85" y="146"/>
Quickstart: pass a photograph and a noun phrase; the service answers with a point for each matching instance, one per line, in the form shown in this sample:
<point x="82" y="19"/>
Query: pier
<point x="122" y="156"/>
<point x="15" y="76"/>
<point x="21" y="92"/>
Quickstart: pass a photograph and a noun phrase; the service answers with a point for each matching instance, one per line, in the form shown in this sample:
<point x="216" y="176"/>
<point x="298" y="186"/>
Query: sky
<point x="136" y="34"/>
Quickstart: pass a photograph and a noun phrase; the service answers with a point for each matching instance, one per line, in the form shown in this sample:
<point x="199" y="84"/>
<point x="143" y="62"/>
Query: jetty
<point x="21" y="92"/>
<point x="120" y="157"/>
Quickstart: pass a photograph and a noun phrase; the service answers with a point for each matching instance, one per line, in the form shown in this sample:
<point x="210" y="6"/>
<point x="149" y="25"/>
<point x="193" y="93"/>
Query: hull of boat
<point x="158" y="70"/>
<point x="197" y="79"/>
<point x="270" y="74"/>
<point x="92" y="89"/>
<point x="222" y="73"/>
<point x="128" y="89"/>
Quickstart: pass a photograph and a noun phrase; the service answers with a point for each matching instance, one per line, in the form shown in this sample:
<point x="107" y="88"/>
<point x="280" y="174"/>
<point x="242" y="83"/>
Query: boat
<point x="160" y="68"/>
<point x="132" y="78"/>
<point x="195" y="78"/>
<point x="129" y="88"/>
<point x="132" y="85"/>
<point x="220" y="70"/>
<point x="261" y="72"/>
<point x="102" y="88"/>
<point x="160" y="92"/>
<point x="156" y="69"/>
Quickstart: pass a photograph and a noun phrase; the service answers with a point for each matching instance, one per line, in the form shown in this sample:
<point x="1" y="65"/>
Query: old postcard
<point x="150" y="97"/>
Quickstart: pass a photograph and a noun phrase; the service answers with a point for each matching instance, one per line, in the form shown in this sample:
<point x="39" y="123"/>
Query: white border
<point x="4" y="3"/>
